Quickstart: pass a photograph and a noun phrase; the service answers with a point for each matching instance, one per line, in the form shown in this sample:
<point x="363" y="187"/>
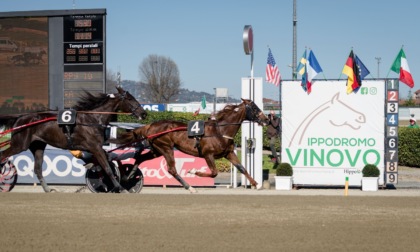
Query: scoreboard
<point x="59" y="55"/>
<point x="391" y="138"/>
<point x="83" y="56"/>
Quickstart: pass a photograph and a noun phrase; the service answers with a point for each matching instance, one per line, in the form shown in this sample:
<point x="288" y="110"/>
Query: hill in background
<point x="137" y="89"/>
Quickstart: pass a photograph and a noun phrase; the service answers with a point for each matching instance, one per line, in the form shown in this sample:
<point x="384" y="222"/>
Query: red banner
<point x="155" y="171"/>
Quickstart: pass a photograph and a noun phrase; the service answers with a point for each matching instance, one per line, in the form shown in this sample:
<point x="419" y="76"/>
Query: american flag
<point x="272" y="73"/>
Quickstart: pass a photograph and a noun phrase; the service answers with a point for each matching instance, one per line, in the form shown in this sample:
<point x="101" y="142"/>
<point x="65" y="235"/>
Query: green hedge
<point x="408" y="147"/>
<point x="154" y="116"/>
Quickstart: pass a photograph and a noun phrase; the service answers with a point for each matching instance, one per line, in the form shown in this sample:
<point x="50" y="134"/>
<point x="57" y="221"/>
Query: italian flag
<point x="400" y="66"/>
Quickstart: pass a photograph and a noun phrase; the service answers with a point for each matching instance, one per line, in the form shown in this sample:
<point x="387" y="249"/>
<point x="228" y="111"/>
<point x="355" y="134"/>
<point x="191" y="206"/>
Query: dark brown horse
<point x="217" y="141"/>
<point x="93" y="115"/>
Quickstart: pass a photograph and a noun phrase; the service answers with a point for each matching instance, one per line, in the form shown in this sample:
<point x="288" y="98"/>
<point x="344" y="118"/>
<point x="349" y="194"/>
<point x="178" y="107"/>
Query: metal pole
<point x="379" y="62"/>
<point x="294" y="61"/>
<point x="252" y="64"/>
<point x="214" y="101"/>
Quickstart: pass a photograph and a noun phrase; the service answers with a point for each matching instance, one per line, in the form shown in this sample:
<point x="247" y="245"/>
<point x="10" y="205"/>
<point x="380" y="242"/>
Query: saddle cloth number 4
<point x="195" y="128"/>
<point x="66" y="117"/>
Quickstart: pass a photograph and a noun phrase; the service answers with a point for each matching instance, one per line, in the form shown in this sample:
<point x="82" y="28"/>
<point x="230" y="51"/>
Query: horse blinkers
<point x="127" y="98"/>
<point x="253" y="113"/>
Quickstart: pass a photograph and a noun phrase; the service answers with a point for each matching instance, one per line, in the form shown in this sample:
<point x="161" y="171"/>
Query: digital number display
<point x="95" y="50"/>
<point x="70" y="51"/>
<point x="82" y="36"/>
<point x="83" y="28"/>
<point x="83" y="52"/>
<point x="83" y="23"/>
<point x="71" y="97"/>
<point x="83" y="76"/>
<point x="83" y="85"/>
<point x="95" y="58"/>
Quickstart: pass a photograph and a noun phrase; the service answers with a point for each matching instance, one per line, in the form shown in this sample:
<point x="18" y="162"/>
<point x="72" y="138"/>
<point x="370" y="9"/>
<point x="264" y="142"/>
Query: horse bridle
<point x="252" y="112"/>
<point x="132" y="108"/>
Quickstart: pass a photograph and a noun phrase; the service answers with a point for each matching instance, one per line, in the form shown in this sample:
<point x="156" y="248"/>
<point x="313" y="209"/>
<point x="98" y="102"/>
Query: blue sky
<point x="204" y="38"/>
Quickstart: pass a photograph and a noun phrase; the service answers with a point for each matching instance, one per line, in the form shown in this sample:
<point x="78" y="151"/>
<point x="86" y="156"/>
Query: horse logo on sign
<point x="349" y="117"/>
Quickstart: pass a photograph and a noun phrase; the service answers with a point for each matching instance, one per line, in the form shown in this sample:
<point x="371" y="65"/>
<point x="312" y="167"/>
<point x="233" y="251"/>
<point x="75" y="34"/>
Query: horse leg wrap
<point x="183" y="183"/>
<point x="44" y="185"/>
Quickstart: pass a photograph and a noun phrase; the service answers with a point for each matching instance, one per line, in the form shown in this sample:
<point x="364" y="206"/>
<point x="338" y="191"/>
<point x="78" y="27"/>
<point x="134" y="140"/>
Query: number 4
<point x="196" y="127"/>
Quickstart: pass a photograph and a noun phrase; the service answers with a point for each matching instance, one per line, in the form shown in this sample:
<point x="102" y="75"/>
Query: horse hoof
<point x="192" y="189"/>
<point x="192" y="171"/>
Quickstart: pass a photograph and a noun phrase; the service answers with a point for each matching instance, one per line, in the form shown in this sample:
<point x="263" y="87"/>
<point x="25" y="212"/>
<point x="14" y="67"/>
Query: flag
<point x="272" y="73"/>
<point x="312" y="69"/>
<point x="356" y="71"/>
<point x="196" y="112"/>
<point x="203" y="102"/>
<point x="353" y="81"/>
<point x="301" y="69"/>
<point x="363" y="71"/>
<point x="400" y="66"/>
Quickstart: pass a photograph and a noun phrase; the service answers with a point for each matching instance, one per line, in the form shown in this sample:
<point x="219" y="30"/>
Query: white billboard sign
<point x="329" y="135"/>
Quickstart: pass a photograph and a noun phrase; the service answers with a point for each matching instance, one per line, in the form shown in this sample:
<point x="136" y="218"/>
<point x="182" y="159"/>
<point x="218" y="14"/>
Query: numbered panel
<point x="392" y="178"/>
<point x="392" y="96"/>
<point x="392" y="107"/>
<point x="392" y="131"/>
<point x="196" y="128"/>
<point x="392" y="85"/>
<point x="66" y="117"/>
<point x="391" y="140"/>
<point x="392" y="143"/>
<point x="392" y="119"/>
<point x="391" y="167"/>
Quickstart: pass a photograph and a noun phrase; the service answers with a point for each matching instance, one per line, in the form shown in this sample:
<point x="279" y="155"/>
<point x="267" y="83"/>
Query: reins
<point x="107" y="113"/>
<point x="28" y="124"/>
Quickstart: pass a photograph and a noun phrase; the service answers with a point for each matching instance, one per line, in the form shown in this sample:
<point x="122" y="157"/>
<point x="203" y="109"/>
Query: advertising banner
<point x="60" y="167"/>
<point x="329" y="135"/>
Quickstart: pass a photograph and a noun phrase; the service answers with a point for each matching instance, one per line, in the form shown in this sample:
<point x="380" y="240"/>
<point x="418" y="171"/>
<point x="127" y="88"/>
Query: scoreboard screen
<point x="83" y="47"/>
<point x="51" y="58"/>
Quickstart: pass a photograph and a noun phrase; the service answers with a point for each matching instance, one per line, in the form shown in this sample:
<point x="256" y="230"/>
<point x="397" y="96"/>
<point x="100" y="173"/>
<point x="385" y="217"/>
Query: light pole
<point x="294" y="76"/>
<point x="293" y="72"/>
<point x="379" y="62"/>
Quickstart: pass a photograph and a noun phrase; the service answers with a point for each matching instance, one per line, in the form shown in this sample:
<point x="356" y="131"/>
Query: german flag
<point x="352" y="71"/>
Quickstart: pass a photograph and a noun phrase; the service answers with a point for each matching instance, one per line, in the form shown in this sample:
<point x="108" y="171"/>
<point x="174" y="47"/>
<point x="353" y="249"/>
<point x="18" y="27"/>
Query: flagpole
<point x="252" y="64"/>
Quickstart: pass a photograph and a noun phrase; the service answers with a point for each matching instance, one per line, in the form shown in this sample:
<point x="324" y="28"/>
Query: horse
<point x="34" y="131"/>
<point x="216" y="142"/>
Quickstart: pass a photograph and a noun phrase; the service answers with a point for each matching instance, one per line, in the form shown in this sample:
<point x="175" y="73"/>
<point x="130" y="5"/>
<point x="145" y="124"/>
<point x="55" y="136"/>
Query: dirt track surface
<point x="201" y="222"/>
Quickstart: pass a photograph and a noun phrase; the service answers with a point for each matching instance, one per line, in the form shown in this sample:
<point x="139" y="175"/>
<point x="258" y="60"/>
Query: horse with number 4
<point x="212" y="139"/>
<point x="81" y="128"/>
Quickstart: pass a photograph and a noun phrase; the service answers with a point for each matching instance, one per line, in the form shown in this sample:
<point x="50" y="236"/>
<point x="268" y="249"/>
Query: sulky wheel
<point x="98" y="182"/>
<point x="8" y="177"/>
<point x="131" y="180"/>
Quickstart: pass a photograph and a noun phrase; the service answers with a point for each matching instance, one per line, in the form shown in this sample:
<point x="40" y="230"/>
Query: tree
<point x="111" y="81"/>
<point x="161" y="76"/>
<point x="410" y="101"/>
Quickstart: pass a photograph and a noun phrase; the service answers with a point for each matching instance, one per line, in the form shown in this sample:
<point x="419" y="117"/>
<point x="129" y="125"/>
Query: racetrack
<point x="208" y="222"/>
